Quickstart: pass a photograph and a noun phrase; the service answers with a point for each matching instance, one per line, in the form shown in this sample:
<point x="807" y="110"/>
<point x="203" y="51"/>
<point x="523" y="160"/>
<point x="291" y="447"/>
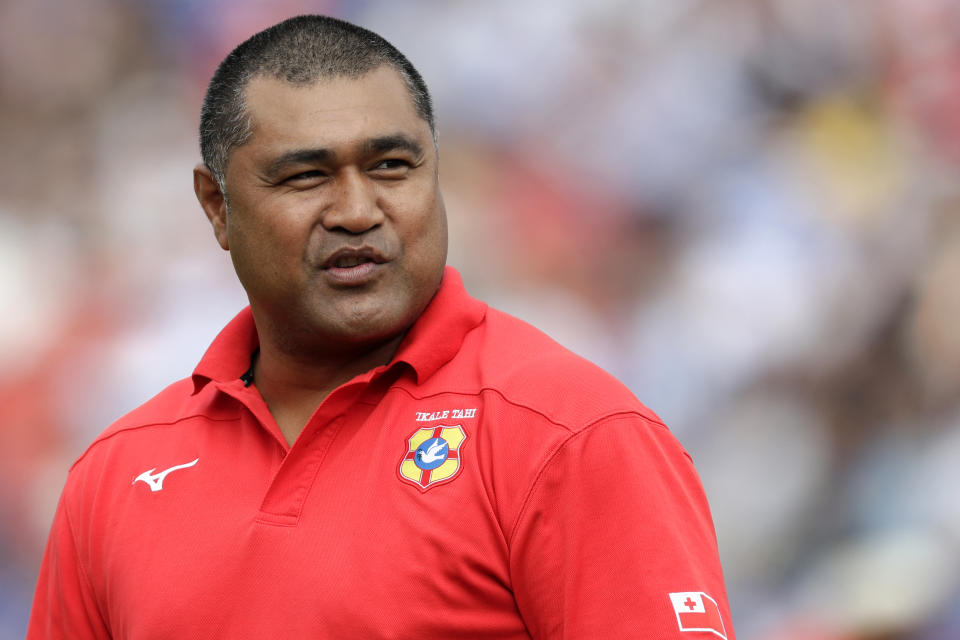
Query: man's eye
<point x="393" y="165"/>
<point x="305" y="176"/>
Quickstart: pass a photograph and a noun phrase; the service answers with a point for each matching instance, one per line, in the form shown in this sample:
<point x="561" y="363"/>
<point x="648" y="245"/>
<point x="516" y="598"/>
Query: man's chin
<point x="361" y="332"/>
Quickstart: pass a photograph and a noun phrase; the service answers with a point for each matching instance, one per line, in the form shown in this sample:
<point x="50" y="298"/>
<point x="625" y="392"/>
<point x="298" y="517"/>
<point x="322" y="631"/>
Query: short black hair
<point x="299" y="50"/>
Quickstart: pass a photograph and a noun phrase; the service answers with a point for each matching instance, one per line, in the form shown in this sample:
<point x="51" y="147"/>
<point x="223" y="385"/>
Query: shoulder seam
<point x="651" y="419"/>
<point x="553" y="454"/>
<point x="132" y="427"/>
<point x="81" y="563"/>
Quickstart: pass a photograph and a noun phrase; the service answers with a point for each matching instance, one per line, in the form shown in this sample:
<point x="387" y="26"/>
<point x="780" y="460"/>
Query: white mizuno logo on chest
<point x="155" y="480"/>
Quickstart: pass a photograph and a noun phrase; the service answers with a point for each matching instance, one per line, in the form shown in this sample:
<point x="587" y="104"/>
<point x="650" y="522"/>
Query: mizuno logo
<point x="155" y="480"/>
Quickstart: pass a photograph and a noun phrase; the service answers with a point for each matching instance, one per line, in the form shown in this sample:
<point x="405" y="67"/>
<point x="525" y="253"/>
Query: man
<point x="367" y="451"/>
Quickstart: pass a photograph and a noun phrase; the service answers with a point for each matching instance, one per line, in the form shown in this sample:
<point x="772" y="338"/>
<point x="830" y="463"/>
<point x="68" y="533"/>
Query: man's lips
<point x="350" y="258"/>
<point x="353" y="267"/>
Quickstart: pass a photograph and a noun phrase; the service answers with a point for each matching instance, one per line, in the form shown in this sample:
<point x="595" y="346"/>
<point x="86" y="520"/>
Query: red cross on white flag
<point x="696" y="611"/>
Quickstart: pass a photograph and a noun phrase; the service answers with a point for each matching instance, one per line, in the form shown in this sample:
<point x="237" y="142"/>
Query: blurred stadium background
<point x="745" y="209"/>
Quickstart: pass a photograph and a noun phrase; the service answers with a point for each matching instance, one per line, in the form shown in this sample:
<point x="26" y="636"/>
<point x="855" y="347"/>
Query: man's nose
<point x="355" y="207"/>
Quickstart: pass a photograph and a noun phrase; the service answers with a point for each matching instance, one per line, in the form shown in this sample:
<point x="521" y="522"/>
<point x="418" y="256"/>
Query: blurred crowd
<point x="747" y="210"/>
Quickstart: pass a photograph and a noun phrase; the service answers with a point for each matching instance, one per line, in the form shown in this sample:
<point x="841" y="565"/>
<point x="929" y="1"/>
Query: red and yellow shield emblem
<point x="432" y="456"/>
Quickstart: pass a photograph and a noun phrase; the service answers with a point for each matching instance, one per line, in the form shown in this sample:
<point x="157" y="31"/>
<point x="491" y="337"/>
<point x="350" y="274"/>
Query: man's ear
<point x="212" y="201"/>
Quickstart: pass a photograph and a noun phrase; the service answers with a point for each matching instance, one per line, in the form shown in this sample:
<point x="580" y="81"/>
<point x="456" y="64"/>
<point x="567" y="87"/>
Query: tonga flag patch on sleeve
<point x="696" y="611"/>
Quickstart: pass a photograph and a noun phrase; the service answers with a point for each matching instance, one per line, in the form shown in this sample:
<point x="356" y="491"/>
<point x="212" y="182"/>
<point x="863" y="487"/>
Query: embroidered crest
<point x="433" y="456"/>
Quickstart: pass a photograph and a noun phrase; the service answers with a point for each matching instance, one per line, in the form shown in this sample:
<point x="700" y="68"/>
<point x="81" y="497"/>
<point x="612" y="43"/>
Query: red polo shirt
<point x="486" y="483"/>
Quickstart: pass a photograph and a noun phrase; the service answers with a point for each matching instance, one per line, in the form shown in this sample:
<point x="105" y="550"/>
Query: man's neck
<point x="293" y="387"/>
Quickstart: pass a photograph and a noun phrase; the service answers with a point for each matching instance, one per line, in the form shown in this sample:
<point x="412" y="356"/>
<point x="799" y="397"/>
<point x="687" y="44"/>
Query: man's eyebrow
<point x="300" y="156"/>
<point x="396" y="142"/>
<point x="322" y="155"/>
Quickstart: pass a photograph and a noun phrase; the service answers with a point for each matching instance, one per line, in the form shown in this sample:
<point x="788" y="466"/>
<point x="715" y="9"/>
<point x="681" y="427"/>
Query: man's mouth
<point x="346" y="262"/>
<point x="350" y="258"/>
<point x="353" y="267"/>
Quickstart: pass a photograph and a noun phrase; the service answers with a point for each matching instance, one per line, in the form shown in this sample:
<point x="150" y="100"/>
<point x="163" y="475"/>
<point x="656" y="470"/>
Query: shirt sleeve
<point x="64" y="605"/>
<point x="615" y="522"/>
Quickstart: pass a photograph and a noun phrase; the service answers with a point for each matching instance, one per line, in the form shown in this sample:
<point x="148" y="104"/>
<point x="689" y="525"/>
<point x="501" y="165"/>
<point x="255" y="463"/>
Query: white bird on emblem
<point x="433" y="453"/>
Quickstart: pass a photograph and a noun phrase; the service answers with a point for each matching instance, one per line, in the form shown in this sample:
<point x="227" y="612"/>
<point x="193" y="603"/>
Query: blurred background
<point x="747" y="210"/>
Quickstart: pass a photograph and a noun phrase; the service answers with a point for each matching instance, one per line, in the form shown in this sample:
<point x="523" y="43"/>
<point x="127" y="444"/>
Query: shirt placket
<point x="297" y="473"/>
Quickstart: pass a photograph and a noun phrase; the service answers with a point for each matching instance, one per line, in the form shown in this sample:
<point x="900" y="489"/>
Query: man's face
<point x="335" y="224"/>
